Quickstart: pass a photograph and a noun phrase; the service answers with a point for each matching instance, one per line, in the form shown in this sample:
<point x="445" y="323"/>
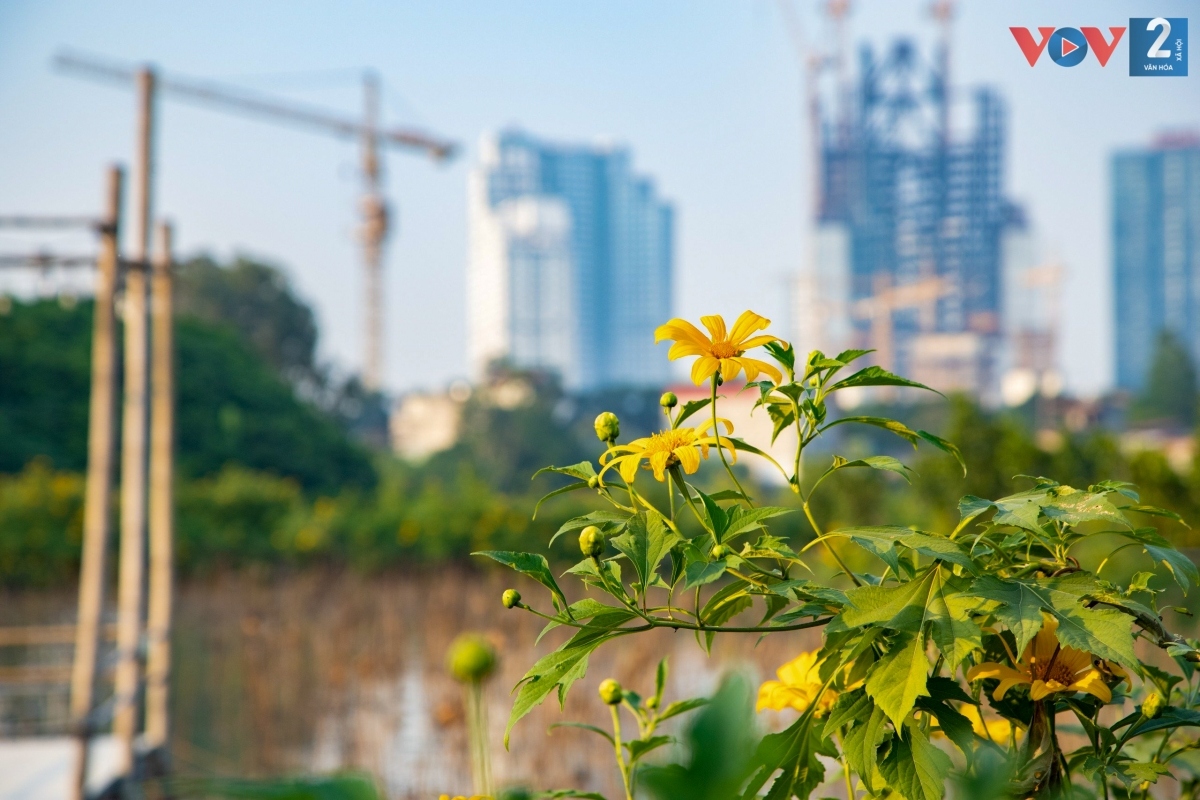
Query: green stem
<point x="817" y="529"/>
<point x="616" y="716"/>
<point x="675" y="624"/>
<point x="477" y="732"/>
<point x="720" y="449"/>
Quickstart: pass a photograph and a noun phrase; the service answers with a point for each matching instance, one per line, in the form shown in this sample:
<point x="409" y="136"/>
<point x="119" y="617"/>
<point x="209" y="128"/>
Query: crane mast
<point x="369" y="133"/>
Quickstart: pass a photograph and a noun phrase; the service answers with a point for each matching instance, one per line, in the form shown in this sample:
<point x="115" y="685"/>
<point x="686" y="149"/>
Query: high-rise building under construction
<point x="911" y="221"/>
<point x="569" y="264"/>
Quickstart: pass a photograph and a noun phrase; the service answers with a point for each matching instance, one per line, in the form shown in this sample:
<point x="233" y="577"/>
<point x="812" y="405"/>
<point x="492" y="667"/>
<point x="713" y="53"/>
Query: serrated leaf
<point x="957" y="727"/>
<point x="885" y="463"/>
<point x="915" y="767"/>
<point x="640" y="747"/>
<point x="877" y="376"/>
<point x="682" y="707"/>
<point x="560" y="669"/>
<point x="583" y="470"/>
<point x="1182" y="569"/>
<point x="646" y="542"/>
<point x="927" y="544"/>
<point x="894" y="426"/>
<point x="598" y="518"/>
<point x="742" y="520"/>
<point x="1077" y="507"/>
<point x="699" y="573"/>
<point x="970" y="507"/>
<point x="560" y="794"/>
<point x="532" y="564"/>
<point x="1104" y="632"/>
<point x="899" y="678"/>
<point x="793" y="752"/>
<point x="690" y="408"/>
<point x="1170" y="717"/>
<point x="946" y="447"/>
<point x="861" y="744"/>
<point x="718" y="518"/>
<point x="577" y="611"/>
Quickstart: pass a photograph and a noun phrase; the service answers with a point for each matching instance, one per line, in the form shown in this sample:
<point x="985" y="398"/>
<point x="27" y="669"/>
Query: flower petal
<point x="757" y="341"/>
<point x="730" y="367"/>
<point x="1093" y="683"/>
<point x="716" y="326"/>
<point x="658" y="463"/>
<point x="703" y="369"/>
<point x="747" y="323"/>
<point x="684" y="349"/>
<point x="689" y="459"/>
<point x="629" y="467"/>
<point x="680" y="330"/>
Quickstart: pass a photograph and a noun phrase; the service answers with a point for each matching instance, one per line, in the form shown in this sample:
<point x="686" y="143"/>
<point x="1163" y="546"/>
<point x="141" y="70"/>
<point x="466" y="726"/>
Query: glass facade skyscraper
<point x="570" y="262"/>
<point x="1156" y="252"/>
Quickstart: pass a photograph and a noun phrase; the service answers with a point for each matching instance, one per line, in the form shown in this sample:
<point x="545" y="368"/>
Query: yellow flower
<point x="798" y="687"/>
<point x="997" y="729"/>
<point x="682" y="446"/>
<point x="1048" y="667"/>
<point x="724" y="350"/>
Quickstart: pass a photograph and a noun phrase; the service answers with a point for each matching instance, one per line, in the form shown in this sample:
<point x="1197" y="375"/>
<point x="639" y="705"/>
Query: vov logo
<point x="1067" y="46"/>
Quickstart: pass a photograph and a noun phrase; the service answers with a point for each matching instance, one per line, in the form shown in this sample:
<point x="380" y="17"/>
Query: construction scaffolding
<point x="907" y="203"/>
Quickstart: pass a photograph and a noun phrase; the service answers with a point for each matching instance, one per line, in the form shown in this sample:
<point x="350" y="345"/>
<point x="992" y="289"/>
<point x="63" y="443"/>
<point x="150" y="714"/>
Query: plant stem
<point x="616" y="716"/>
<point x="817" y="529"/>
<point x="477" y="733"/>
<point x="720" y="449"/>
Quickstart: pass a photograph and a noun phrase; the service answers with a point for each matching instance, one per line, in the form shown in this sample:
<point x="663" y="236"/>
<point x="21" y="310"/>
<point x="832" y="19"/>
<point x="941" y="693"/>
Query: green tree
<point x="258" y="301"/>
<point x="1170" y="391"/>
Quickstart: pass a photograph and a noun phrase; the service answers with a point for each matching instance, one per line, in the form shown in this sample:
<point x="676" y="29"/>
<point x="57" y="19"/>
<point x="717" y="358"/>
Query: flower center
<point x="667" y="441"/>
<point x="1058" y="671"/>
<point x="724" y="350"/>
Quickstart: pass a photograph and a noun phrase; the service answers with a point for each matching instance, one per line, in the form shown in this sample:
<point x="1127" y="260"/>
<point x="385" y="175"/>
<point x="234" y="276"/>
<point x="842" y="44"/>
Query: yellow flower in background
<point x="665" y="449"/>
<point x="1048" y="667"/>
<point x="723" y="351"/>
<point x="798" y="687"/>
<point x="997" y="729"/>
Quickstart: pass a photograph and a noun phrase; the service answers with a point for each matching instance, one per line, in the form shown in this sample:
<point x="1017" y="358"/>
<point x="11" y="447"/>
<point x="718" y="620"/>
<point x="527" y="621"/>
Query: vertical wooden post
<point x="133" y="445"/>
<point x="97" y="500"/>
<point x="162" y="519"/>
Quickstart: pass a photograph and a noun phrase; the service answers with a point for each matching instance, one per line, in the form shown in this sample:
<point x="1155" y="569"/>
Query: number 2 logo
<point x="1156" y="50"/>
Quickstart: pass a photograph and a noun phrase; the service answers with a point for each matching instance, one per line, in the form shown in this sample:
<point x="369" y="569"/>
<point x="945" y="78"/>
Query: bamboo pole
<point x="162" y="505"/>
<point x="97" y="499"/>
<point x="133" y="450"/>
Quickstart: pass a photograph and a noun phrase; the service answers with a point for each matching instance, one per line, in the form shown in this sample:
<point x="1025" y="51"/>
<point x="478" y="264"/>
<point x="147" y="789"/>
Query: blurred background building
<point x="911" y="224"/>
<point x="1156" y="252"/>
<point x="570" y="263"/>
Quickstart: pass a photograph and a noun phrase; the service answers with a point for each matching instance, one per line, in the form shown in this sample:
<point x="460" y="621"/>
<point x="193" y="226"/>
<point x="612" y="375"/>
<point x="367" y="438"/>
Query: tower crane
<point x="368" y="131"/>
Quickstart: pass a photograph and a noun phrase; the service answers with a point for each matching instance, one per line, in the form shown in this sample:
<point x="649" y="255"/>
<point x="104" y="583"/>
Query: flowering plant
<point x="947" y="651"/>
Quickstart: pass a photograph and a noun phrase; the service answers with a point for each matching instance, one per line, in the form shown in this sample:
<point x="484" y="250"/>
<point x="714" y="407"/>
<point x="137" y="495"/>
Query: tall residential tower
<point x="569" y="264"/>
<point x="1156" y="252"/>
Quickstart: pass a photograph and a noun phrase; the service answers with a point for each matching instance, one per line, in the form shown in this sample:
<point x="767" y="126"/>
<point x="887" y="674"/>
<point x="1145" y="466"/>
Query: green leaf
<point x="846" y="356"/>
<point x="718" y="519"/>
<point x="577" y="611"/>
<point x="1169" y="718"/>
<point x="564" y="793"/>
<point x="886" y="463"/>
<point x="861" y="744"/>
<point x="745" y="447"/>
<point x="1077" y="507"/>
<point x="699" y="573"/>
<point x="742" y="520"/>
<point x="646" y="542"/>
<point x="640" y="747"/>
<point x="598" y="518"/>
<point x="877" y="376"/>
<point x="726" y="604"/>
<point x="915" y="767"/>
<point x="896" y="427"/>
<point x="560" y="669"/>
<point x="898" y="679"/>
<point x="570" y="487"/>
<point x="682" y="707"/>
<point x="945" y="447"/>
<point x="1104" y="632"/>
<point x="793" y="753"/>
<point x="583" y="470"/>
<point x="927" y="544"/>
<point x="957" y="727"/>
<point x="691" y="408"/>
<point x="900" y="607"/>
<point x="970" y="507"/>
<point x="1182" y="569"/>
<point x="532" y="564"/>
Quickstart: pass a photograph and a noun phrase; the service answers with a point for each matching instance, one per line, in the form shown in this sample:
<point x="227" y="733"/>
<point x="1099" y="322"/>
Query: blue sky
<point x="705" y="92"/>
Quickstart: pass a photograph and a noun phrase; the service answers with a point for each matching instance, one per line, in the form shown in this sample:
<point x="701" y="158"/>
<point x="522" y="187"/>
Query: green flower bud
<point x="608" y="427"/>
<point x="511" y="598"/>
<point x="593" y="481"/>
<point x="668" y="400"/>
<point x="721" y="550"/>
<point x="591" y="542"/>
<point x="1152" y="706"/>
<point x="470" y="658"/>
<point x="611" y="692"/>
